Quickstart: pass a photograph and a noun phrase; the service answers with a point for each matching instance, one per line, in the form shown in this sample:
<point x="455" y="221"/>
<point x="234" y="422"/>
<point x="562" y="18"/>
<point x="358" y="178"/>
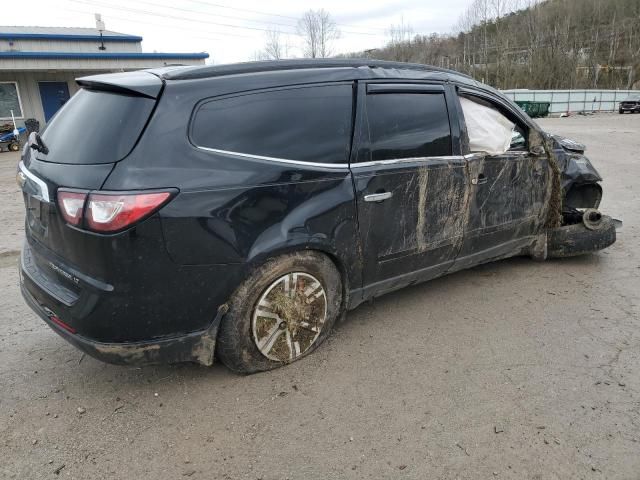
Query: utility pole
<point x="100" y="27"/>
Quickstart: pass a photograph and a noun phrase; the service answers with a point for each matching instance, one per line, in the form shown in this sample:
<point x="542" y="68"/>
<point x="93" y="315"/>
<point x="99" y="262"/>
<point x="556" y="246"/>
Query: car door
<point x="509" y="190"/>
<point x="410" y="183"/>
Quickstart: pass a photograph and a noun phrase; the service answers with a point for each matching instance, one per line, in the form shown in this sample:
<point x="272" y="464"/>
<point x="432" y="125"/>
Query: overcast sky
<point x="232" y="31"/>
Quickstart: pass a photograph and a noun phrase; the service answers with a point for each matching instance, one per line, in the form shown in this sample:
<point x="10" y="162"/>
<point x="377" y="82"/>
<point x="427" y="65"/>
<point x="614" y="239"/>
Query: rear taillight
<point x="112" y="212"/>
<point x="108" y="212"/>
<point x="72" y="205"/>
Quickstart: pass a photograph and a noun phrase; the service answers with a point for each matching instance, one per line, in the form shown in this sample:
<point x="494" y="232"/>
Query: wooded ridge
<point x="548" y="44"/>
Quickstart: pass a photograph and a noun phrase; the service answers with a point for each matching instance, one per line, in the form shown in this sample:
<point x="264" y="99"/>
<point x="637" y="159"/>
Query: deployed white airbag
<point x="489" y="131"/>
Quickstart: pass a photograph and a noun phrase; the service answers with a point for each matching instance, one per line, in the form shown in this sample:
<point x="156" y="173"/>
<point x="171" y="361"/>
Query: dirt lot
<point x="512" y="370"/>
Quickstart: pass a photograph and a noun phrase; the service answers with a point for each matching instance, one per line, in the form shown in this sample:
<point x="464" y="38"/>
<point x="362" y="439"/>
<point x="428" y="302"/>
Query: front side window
<point x="489" y="129"/>
<point x="407" y="125"/>
<point x="310" y="124"/>
<point x="9" y="100"/>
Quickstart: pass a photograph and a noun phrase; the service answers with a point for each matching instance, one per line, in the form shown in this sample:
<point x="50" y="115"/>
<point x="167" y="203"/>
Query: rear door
<point x="410" y="183"/>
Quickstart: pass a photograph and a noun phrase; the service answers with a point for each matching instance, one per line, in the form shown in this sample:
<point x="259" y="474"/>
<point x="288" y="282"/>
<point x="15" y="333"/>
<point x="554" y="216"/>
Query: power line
<point x="278" y="15"/>
<point x="222" y="36"/>
<point x="172" y="17"/>
<point x="214" y="14"/>
<point x="227" y="25"/>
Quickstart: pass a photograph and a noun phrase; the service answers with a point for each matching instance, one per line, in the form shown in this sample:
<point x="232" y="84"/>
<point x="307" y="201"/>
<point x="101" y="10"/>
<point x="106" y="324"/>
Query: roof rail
<point x="189" y="73"/>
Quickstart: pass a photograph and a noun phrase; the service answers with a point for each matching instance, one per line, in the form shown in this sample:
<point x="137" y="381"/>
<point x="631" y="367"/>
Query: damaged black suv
<point x="237" y="211"/>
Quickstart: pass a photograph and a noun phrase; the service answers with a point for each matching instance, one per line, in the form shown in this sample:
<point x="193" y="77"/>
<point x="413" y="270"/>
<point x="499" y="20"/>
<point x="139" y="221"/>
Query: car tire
<point x="14" y="147"/>
<point x="269" y="324"/>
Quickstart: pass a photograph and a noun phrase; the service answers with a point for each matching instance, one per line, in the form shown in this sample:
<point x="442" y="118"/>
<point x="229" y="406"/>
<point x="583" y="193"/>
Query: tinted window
<point x="308" y="124"/>
<point x="96" y="127"/>
<point x="406" y="125"/>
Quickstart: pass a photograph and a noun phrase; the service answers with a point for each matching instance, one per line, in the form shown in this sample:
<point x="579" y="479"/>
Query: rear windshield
<point x="95" y="127"/>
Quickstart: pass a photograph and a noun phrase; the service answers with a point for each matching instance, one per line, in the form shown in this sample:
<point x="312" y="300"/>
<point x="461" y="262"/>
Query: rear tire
<point x="14" y="147"/>
<point x="270" y="324"/>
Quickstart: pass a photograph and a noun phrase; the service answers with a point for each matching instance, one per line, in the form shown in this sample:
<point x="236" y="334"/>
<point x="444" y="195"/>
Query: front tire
<point x="282" y="312"/>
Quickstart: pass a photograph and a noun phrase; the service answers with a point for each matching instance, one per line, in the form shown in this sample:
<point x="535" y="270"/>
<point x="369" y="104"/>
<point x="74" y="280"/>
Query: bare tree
<point x="259" y="56"/>
<point x="533" y="44"/>
<point x="318" y="31"/>
<point x="275" y="48"/>
<point x="400" y="41"/>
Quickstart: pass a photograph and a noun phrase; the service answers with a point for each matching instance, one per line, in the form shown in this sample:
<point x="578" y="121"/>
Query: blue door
<point x="53" y="95"/>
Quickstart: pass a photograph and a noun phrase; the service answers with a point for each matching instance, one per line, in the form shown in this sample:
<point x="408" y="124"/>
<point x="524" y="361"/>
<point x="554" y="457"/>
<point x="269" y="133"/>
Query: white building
<point x="38" y="65"/>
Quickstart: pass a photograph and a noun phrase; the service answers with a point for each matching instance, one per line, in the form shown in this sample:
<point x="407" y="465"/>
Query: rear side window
<point x="407" y="125"/>
<point x="311" y="124"/>
<point x="96" y="127"/>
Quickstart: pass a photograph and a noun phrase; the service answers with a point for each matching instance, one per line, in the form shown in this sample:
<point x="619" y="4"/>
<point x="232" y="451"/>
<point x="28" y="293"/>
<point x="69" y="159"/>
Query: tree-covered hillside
<point x="533" y="44"/>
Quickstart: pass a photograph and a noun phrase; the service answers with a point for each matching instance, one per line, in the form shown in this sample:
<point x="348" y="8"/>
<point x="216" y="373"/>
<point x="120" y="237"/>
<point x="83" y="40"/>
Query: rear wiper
<point x="36" y="142"/>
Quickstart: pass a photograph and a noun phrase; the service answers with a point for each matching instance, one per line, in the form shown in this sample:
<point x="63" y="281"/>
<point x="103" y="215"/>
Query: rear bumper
<point x="88" y="307"/>
<point x="198" y="347"/>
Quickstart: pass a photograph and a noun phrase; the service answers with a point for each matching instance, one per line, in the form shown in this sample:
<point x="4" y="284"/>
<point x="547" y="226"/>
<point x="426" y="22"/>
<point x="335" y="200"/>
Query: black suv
<point x="630" y="104"/>
<point x="238" y="211"/>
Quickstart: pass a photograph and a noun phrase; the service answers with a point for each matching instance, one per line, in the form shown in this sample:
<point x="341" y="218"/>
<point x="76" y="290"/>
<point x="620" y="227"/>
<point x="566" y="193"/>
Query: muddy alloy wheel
<point x="289" y="316"/>
<point x="281" y="312"/>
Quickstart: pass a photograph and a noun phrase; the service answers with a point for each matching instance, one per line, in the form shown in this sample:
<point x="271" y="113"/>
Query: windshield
<point x="95" y="127"/>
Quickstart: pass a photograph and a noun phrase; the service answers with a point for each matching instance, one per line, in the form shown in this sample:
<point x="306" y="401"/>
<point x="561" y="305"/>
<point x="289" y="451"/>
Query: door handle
<point x="378" y="197"/>
<point x="481" y="180"/>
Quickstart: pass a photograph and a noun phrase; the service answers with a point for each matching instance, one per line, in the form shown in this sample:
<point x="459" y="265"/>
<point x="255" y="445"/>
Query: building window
<point x="10" y="100"/>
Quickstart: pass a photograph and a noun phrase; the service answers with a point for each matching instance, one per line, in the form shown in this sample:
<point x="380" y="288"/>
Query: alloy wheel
<point x="289" y="316"/>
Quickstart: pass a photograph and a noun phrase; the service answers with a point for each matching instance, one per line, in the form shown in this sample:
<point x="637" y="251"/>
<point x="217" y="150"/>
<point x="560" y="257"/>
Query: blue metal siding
<point x="54" y="36"/>
<point x="111" y="56"/>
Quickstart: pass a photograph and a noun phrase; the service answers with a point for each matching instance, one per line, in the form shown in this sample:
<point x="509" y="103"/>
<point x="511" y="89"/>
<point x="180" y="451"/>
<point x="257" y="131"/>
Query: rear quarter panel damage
<point x="246" y="225"/>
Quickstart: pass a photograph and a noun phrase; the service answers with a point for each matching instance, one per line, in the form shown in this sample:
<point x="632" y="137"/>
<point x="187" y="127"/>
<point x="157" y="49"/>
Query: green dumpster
<point x="535" y="109"/>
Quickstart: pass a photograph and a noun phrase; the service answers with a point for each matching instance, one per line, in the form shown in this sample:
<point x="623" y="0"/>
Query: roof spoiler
<point x="139" y="83"/>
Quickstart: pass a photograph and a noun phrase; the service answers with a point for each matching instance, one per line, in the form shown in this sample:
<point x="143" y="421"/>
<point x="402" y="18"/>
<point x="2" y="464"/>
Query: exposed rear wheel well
<point x="343" y="275"/>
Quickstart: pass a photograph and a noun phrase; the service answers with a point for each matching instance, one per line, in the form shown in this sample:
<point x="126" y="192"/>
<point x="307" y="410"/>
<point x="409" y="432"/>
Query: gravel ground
<point x="516" y="369"/>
